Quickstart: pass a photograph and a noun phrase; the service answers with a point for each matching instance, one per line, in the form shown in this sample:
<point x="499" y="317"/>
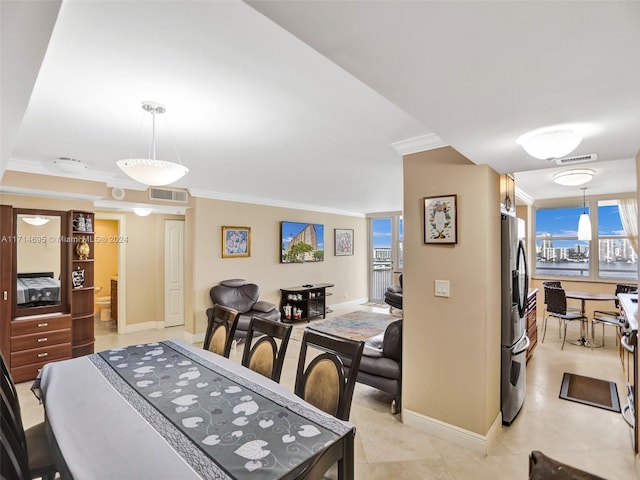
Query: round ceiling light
<point x="574" y="177"/>
<point x="548" y="144"/>
<point x="70" y="165"/>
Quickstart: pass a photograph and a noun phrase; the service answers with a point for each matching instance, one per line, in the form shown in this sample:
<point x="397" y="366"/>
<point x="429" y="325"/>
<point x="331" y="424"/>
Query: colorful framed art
<point x="343" y="241"/>
<point x="236" y="242"/>
<point x="441" y="219"/>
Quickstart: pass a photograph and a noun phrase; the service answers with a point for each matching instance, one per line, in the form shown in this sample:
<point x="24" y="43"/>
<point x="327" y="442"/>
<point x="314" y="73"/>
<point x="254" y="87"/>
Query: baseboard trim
<point x="139" y="327"/>
<point x="452" y="433"/>
<point x="193" y="337"/>
<point x="350" y="303"/>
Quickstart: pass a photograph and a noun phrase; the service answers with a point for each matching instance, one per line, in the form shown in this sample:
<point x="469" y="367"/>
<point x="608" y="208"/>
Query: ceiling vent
<point x="577" y="159"/>
<point x="168" y="194"/>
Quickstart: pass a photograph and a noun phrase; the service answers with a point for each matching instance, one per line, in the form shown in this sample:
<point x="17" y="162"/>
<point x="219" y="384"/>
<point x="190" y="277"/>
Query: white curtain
<point x="628" y="209"/>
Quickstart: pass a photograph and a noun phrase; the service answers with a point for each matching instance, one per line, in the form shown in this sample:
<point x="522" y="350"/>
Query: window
<point x="558" y="250"/>
<point x="560" y="253"/>
<point x="616" y="258"/>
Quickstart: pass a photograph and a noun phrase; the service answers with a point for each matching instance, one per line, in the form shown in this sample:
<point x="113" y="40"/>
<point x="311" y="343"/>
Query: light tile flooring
<point x="596" y="440"/>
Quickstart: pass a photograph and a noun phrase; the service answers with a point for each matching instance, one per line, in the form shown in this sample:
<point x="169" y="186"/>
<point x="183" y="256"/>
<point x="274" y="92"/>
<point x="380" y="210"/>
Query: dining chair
<point x="264" y="355"/>
<point x="557" y="307"/>
<point x="221" y="327"/>
<point x="25" y="454"/>
<point x="324" y="382"/>
<point x="555" y="284"/>
<point x="610" y="317"/>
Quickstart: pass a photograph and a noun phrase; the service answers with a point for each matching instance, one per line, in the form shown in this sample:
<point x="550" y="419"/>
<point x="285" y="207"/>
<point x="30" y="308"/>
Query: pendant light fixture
<point x="584" y="224"/>
<point x="150" y="171"/>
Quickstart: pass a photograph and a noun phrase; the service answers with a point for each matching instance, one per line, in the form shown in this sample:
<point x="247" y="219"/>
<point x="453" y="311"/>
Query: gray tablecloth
<point x="103" y="436"/>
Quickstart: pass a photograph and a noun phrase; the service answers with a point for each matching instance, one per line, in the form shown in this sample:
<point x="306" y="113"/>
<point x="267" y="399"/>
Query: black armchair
<point x="381" y="363"/>
<point x="242" y="296"/>
<point x="393" y="295"/>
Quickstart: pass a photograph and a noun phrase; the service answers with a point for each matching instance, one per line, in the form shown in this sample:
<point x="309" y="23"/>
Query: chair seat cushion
<point x="262" y="306"/>
<point x="382" y="367"/>
<point x="394" y="289"/>
<point x="41" y="459"/>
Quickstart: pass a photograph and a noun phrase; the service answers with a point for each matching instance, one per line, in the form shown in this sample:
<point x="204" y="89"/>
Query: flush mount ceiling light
<point x="584" y="223"/>
<point x="150" y="171"/>
<point x="35" y="221"/>
<point x="70" y="165"/>
<point x="575" y="177"/>
<point x="141" y="212"/>
<point x="549" y="144"/>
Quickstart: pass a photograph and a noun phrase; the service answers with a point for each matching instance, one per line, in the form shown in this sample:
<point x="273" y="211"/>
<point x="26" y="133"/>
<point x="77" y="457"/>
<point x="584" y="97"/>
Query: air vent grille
<point x="577" y="159"/>
<point x="167" y="194"/>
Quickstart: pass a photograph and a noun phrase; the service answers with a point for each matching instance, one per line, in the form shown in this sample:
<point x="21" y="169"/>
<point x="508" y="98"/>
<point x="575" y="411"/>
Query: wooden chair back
<point x="221" y="327"/>
<point x="264" y="355"/>
<point x="324" y="382"/>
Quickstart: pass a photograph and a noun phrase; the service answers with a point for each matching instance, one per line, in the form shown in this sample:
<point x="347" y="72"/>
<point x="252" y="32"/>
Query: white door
<point x="173" y="273"/>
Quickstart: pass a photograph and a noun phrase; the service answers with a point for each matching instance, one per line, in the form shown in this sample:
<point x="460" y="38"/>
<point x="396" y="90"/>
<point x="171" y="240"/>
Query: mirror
<point x="39" y="265"/>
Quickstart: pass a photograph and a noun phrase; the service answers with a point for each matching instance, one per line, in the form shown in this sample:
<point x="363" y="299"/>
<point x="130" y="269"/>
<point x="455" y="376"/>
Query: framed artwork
<point x="236" y="242"/>
<point x="441" y="219"/>
<point x="301" y="242"/>
<point x="343" y="241"/>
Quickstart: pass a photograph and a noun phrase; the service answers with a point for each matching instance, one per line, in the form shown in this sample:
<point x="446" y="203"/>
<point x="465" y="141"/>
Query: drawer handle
<point x="45" y="324"/>
<point x="43" y="339"/>
<point x="41" y="355"/>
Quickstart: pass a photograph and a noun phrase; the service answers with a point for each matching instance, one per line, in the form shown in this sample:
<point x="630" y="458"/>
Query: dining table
<point x="584" y="297"/>
<point x="170" y="410"/>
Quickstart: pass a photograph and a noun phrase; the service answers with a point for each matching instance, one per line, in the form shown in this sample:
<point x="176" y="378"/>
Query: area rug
<point x="590" y="391"/>
<point x="357" y="325"/>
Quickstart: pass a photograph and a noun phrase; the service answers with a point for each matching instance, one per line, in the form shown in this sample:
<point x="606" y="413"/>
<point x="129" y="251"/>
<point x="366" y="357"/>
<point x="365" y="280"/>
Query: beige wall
<point x="348" y="273"/>
<point x="451" y="371"/>
<point x="204" y="265"/>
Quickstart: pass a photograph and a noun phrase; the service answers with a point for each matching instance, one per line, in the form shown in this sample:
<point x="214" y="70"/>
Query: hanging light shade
<point x="584" y="223"/>
<point x="548" y="144"/>
<point x="150" y="171"/>
<point x="35" y="221"/>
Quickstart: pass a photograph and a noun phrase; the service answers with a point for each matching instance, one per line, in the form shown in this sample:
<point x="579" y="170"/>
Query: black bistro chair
<point x="221" y="328"/>
<point x="264" y="355"/>
<point x="610" y="317"/>
<point x="325" y="382"/>
<point x="557" y="307"/>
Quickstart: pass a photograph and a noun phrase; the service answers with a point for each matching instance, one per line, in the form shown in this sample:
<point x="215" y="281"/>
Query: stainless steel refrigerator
<point x="515" y="285"/>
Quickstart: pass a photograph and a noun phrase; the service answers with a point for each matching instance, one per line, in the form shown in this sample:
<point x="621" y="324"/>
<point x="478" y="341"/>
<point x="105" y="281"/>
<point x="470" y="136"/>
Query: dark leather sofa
<point x="244" y="297"/>
<point x="393" y="295"/>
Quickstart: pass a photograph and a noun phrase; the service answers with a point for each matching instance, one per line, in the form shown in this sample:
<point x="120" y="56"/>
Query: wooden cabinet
<point x="37" y="340"/>
<point x="305" y="302"/>
<point x="114" y="300"/>
<point x="81" y="266"/>
<point x="532" y="323"/>
<point x="507" y="194"/>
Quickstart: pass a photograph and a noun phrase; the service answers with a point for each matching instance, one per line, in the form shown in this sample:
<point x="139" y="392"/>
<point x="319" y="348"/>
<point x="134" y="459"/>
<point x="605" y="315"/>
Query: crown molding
<point x="33" y="192"/>
<point x="269" y="202"/>
<point x="422" y="143"/>
<point x="524" y="196"/>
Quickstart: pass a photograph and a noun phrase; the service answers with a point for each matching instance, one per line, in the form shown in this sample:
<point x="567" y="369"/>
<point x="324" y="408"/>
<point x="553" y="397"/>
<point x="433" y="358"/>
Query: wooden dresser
<point x="37" y="340"/>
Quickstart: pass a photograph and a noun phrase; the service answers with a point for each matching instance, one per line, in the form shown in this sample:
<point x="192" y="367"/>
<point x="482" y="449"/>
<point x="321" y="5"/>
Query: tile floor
<point x="596" y="440"/>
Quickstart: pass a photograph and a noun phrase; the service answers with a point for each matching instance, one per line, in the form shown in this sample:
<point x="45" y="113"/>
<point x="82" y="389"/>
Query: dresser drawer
<point x="28" y="372"/>
<point x="40" y="355"/>
<point x="42" y="324"/>
<point x="40" y="340"/>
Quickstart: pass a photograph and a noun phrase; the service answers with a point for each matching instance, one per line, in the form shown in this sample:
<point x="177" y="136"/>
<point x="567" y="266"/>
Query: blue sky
<point x="564" y="221"/>
<point x="382" y="232"/>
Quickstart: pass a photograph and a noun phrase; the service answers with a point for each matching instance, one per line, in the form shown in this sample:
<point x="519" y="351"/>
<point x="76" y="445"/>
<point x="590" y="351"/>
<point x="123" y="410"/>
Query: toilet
<point x="104" y="306"/>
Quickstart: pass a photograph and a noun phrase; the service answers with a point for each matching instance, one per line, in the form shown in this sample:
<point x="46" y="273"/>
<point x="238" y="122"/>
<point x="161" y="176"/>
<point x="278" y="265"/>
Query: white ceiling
<point x="303" y="112"/>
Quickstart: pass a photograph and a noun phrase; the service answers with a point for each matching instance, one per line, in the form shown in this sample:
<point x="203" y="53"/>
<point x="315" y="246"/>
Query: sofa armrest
<point x="262" y="306"/>
<point x="373" y="346"/>
<point x="394" y="289"/>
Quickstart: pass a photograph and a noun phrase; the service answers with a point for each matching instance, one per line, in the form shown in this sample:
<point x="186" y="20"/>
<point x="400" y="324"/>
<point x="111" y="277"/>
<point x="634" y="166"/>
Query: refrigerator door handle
<point x="518" y="351"/>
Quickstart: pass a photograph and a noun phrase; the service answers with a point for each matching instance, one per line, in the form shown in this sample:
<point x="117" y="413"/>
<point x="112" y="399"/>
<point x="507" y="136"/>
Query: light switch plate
<point x="442" y="288"/>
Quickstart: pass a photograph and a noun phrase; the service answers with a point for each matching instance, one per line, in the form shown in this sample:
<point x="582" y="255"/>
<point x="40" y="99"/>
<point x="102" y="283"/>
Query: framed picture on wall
<point x="343" y="241"/>
<point x="441" y="219"/>
<point x="236" y="242"/>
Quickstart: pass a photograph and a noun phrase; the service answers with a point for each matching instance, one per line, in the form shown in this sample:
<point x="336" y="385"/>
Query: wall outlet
<point x="442" y="288"/>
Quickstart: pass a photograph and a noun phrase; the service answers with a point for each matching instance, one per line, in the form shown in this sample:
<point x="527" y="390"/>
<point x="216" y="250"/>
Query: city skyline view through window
<point x="559" y="252"/>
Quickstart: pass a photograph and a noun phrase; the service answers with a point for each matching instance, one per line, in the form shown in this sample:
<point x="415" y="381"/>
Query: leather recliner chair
<point x="393" y="295"/>
<point x="243" y="297"/>
<point x="381" y="363"/>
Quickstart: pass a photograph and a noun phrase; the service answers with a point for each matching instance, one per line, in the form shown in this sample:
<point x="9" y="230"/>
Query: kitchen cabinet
<point x="532" y="323"/>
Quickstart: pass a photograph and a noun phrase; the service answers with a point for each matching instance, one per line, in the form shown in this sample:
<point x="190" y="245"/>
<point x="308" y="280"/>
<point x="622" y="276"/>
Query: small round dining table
<point x="584" y="297"/>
